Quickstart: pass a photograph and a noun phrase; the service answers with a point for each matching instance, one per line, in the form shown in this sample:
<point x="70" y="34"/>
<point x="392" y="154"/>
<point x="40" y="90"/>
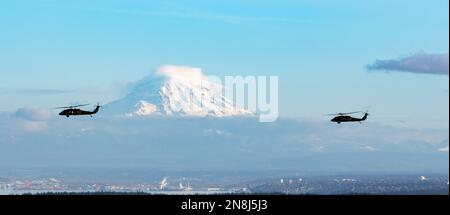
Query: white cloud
<point x="172" y="142"/>
<point x="445" y="149"/>
<point x="29" y="119"/>
<point x="181" y="73"/>
<point x="218" y="132"/>
<point x="33" y="114"/>
<point x="368" y="148"/>
<point x="32" y="126"/>
<point x="417" y="63"/>
<point x="319" y="148"/>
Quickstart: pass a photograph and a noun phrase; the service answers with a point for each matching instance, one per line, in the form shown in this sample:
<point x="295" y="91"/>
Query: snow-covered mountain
<point x="175" y="90"/>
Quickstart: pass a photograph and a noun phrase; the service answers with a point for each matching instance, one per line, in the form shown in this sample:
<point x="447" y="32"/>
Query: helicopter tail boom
<point x="97" y="108"/>
<point x="365" y="116"/>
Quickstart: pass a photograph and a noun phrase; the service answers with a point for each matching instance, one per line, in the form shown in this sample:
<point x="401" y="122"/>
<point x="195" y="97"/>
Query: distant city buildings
<point x="319" y="186"/>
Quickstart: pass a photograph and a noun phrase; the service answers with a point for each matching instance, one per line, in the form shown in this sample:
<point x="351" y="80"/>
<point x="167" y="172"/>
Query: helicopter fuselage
<point x="345" y="118"/>
<point x="77" y="112"/>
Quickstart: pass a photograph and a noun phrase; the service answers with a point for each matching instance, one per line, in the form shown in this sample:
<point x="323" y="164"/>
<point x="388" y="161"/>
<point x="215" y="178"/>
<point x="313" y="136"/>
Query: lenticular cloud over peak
<point x="180" y="73"/>
<point x="175" y="90"/>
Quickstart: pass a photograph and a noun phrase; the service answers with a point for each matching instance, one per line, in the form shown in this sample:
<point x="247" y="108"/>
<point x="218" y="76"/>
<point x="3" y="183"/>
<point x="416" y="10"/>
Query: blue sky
<point x="57" y="52"/>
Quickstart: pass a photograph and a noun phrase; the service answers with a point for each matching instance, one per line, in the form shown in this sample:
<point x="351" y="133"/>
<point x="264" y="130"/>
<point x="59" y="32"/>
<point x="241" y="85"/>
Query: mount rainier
<point x="175" y="90"/>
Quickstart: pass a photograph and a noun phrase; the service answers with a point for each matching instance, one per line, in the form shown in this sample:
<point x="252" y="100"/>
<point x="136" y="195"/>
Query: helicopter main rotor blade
<point x="341" y="114"/>
<point x="331" y="114"/>
<point x="80" y="105"/>
<point x="71" y="106"/>
<point x="351" y="112"/>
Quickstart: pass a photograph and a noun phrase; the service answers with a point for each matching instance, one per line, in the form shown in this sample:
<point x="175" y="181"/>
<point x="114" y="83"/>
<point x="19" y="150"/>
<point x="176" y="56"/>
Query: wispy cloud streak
<point x="35" y="92"/>
<point x="201" y="15"/>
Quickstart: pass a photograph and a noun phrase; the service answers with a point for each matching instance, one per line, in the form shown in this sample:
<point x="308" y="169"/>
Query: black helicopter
<point x="345" y="117"/>
<point x="75" y="111"/>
